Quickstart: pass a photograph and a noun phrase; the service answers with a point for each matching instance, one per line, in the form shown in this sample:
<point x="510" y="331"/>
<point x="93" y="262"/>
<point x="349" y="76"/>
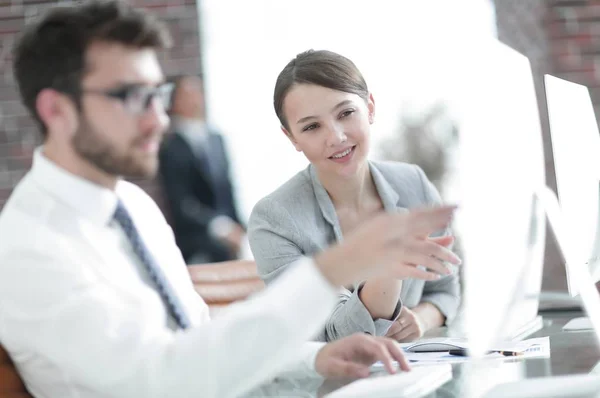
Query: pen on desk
<point x="459" y="352"/>
<point x="509" y="353"/>
<point x="464" y="353"/>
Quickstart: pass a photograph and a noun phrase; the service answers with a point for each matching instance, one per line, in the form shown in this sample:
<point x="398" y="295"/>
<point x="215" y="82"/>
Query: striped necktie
<point x="168" y="294"/>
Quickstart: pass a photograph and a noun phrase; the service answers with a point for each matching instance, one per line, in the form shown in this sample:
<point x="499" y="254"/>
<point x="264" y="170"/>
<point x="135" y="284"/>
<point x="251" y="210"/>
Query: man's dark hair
<point x="51" y="52"/>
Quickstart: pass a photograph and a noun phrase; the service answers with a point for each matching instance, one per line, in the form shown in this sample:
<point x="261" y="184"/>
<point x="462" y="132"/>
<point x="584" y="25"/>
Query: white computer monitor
<point x="501" y="165"/>
<point x="579" y="385"/>
<point x="576" y="149"/>
<point x="573" y="220"/>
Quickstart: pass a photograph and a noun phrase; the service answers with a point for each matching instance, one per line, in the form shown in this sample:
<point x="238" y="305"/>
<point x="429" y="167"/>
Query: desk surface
<point x="571" y="353"/>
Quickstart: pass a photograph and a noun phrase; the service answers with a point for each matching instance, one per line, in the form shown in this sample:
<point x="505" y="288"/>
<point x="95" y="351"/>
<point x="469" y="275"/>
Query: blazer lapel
<point x="389" y="198"/>
<point x="388" y="195"/>
<point x="325" y="204"/>
<point x="214" y="148"/>
<point x="391" y="203"/>
<point x="198" y="161"/>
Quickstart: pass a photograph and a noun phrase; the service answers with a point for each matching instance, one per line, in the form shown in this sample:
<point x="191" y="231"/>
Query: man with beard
<point x="95" y="298"/>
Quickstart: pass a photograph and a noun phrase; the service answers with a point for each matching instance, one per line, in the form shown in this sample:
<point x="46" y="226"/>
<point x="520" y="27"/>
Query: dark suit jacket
<point x="195" y="197"/>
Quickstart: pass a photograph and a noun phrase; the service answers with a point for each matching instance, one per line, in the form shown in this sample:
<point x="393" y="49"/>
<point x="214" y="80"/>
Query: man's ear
<point x="291" y="138"/>
<point x="57" y="112"/>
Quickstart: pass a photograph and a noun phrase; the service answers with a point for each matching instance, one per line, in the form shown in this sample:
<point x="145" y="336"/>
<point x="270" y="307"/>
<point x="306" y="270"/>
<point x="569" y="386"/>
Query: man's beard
<point x="89" y="144"/>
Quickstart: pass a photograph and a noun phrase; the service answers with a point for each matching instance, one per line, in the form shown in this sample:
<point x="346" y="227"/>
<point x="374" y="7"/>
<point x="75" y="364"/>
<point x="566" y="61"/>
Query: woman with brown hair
<point x="326" y="111"/>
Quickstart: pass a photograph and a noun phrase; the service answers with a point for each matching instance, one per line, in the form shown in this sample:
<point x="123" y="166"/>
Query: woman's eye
<point x="347" y="113"/>
<point x="310" y="127"/>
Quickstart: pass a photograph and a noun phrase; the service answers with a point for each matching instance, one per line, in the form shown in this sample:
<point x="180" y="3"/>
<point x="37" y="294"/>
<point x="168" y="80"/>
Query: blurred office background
<point x="402" y="47"/>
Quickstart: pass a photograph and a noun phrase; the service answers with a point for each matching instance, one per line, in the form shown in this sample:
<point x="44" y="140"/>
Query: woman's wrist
<point x="380" y="296"/>
<point x="430" y="315"/>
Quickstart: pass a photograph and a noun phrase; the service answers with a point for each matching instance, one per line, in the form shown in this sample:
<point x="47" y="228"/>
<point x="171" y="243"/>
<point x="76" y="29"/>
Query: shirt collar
<point x="90" y="200"/>
<point x="192" y="127"/>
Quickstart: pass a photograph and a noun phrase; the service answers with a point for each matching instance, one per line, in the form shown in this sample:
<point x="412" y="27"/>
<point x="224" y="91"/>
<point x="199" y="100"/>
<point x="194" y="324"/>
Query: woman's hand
<point x="408" y="327"/>
<point x="413" y="323"/>
<point x="392" y="245"/>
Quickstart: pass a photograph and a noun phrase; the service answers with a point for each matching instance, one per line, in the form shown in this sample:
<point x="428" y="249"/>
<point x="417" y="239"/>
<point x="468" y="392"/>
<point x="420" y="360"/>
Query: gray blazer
<point x="299" y="219"/>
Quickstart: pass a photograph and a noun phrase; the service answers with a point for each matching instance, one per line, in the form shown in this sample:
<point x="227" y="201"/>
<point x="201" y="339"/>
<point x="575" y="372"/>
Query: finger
<point x="396" y="337"/>
<point x="428" y="262"/>
<point x="433" y="249"/>
<point x="405" y="271"/>
<point x="445" y="240"/>
<point x="406" y="334"/>
<point x="379" y="352"/>
<point x="394" y="332"/>
<point x="341" y="368"/>
<point x="386" y="358"/>
<point x="395" y="328"/>
<point x="425" y="221"/>
<point x="397" y="354"/>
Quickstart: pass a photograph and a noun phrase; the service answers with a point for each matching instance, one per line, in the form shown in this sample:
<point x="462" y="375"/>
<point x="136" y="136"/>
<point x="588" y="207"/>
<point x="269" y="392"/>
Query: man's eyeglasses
<point x="137" y="98"/>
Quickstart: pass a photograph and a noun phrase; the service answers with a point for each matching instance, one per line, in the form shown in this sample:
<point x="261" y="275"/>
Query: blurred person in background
<point x="95" y="297"/>
<point x="326" y="111"/>
<point x="194" y="170"/>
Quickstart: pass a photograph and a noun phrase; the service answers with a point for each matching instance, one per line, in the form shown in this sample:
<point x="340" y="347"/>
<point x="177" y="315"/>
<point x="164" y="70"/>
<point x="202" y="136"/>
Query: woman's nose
<point x="336" y="136"/>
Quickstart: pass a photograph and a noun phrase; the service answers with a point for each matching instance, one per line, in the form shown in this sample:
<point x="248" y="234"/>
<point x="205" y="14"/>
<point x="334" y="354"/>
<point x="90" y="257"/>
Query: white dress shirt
<point x="194" y="131"/>
<point x="80" y="317"/>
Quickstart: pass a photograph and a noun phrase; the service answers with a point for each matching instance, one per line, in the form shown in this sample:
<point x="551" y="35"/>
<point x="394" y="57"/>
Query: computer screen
<point x="579" y="273"/>
<point x="500" y="167"/>
<point x="576" y="150"/>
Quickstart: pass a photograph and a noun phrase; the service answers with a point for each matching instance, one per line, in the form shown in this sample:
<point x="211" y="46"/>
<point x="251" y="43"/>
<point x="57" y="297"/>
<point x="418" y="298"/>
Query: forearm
<point x="350" y="316"/>
<point x="380" y="296"/>
<point x="304" y="365"/>
<point x="127" y="354"/>
<point x="430" y="315"/>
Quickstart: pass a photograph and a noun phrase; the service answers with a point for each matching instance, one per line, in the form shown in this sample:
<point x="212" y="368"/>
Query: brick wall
<point x="562" y="38"/>
<point x="573" y="30"/>
<point x="18" y="135"/>
<point x="573" y="27"/>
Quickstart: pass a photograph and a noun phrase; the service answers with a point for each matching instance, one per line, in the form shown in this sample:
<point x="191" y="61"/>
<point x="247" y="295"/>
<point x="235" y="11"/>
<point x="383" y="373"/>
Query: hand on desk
<point x="352" y="356"/>
<point x="413" y="323"/>
<point x="408" y="327"/>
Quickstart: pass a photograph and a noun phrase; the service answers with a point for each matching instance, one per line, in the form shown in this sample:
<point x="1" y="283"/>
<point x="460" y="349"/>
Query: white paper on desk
<point x="417" y="358"/>
<point x="531" y="348"/>
<point x="443" y="344"/>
